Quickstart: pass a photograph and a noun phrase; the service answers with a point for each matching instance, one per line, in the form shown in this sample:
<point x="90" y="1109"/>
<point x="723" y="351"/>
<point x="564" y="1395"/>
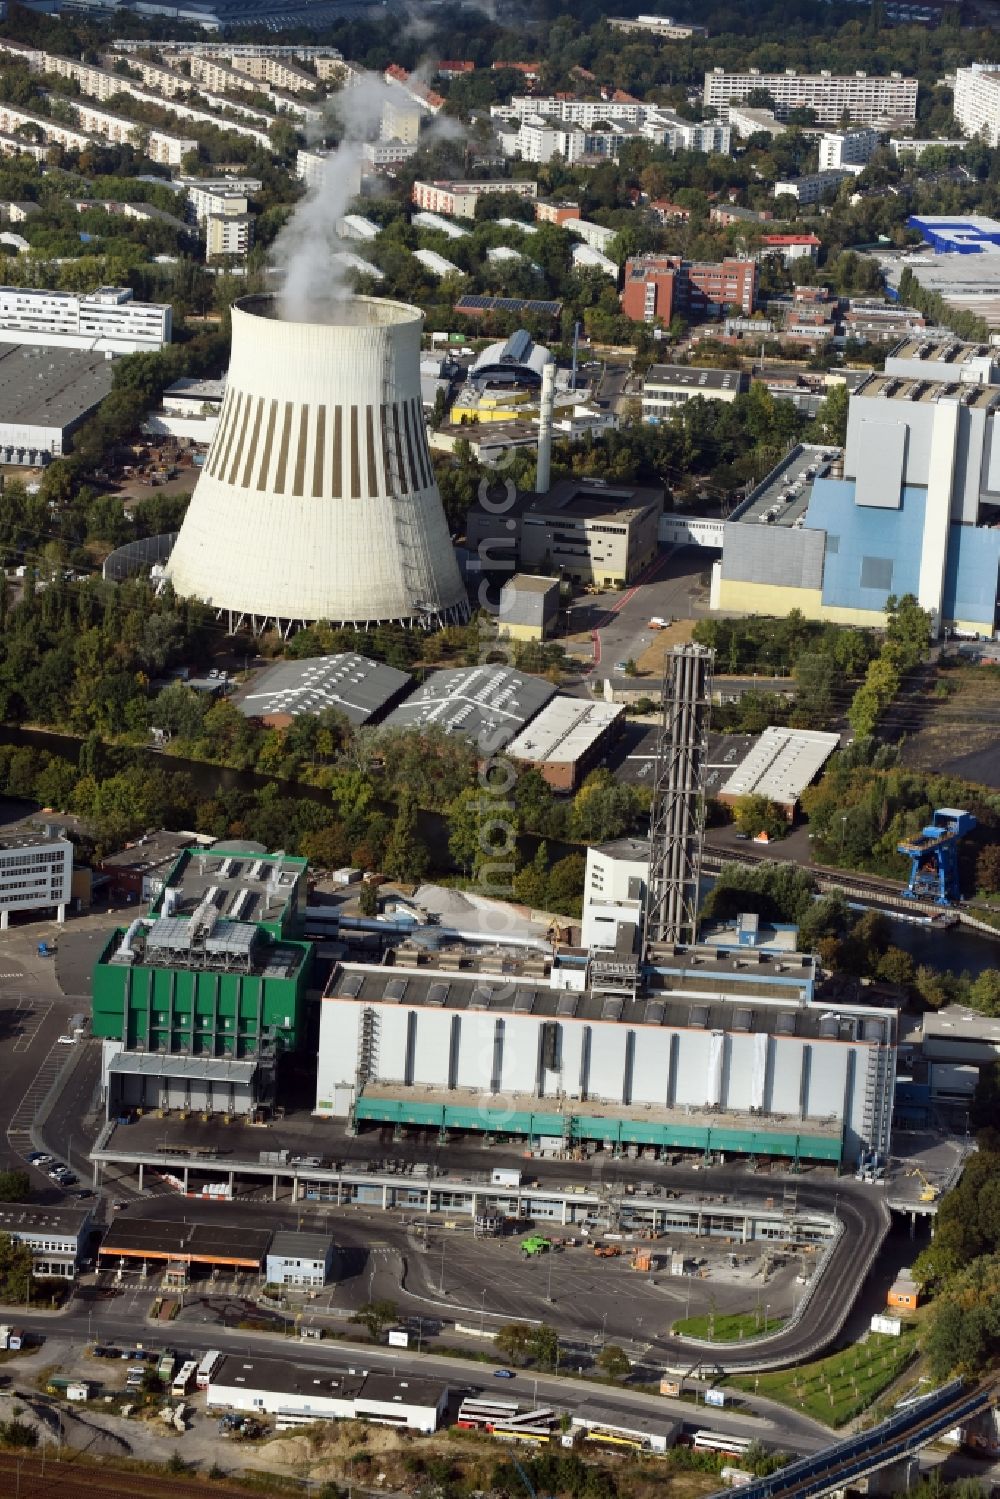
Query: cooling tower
<point x="318" y="499"/>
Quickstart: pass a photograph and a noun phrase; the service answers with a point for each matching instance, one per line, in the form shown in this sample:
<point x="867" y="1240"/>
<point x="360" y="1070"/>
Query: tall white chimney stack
<point x="543" y="473"/>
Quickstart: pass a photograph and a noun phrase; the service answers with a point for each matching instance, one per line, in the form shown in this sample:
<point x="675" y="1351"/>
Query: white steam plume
<point x="302" y="255"/>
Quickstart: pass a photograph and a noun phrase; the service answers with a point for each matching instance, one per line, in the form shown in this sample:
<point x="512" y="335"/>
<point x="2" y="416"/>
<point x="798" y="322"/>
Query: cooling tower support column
<point x="677" y="818"/>
<point x="543" y="472"/>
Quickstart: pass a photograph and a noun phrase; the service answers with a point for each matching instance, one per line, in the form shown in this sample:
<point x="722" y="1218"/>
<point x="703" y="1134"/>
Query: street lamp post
<point x="482" y="1314"/>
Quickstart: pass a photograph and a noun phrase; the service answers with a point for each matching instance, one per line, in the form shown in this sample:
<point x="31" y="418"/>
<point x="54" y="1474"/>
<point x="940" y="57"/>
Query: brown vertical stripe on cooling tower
<point x="337" y="488"/>
<point x="286" y="428"/>
<point x="256" y="415"/>
<point x="370" y="438"/>
<point x="320" y="452"/>
<point x="214" y="461"/>
<point x="299" y="477"/>
<point x="423" y="456"/>
<point x="383" y="421"/>
<point x="265" y="462"/>
<point x="228" y="474"/>
<point x="397" y="443"/>
<point x="408" y="418"/>
<point x="355" y="457"/>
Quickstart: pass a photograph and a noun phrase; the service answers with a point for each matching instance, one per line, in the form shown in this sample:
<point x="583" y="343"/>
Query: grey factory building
<point x="44" y="396"/>
<point x="487" y="704"/>
<point x="362" y="690"/>
<point x="592" y="532"/>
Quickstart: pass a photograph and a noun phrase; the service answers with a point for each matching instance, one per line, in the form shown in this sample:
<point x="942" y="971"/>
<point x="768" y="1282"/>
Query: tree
<point x="614" y="1361"/>
<point x="755" y="814"/>
<point x="545" y="1346"/>
<point x="15" y="1270"/>
<point x="831" y="417"/>
<point x="376" y="1316"/>
<point x="514" y="1339"/>
<point x="15" y="1186"/>
<point x="406" y="856"/>
<point x="603" y="808"/>
<point x="368" y="899"/>
<point x="988" y="869"/>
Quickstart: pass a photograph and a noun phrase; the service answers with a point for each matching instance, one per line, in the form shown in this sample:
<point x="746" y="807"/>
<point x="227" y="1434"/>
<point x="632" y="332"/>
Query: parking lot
<point x="635" y="756"/>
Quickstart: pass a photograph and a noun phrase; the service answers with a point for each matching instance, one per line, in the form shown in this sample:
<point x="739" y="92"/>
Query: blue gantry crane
<point x="933" y="856"/>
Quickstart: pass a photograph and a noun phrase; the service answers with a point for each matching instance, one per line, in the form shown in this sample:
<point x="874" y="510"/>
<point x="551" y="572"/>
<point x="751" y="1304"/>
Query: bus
<point x="183" y="1380"/>
<point x="530" y="1436"/>
<point x="717" y="1441"/>
<point x="207" y="1368"/>
<point x="635" y="1442"/>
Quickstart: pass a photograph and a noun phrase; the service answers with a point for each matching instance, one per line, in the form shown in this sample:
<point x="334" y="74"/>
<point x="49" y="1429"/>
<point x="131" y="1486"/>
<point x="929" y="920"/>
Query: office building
<point x="847" y="148"/>
<point x="668" y="386"/>
<point x="911" y="508"/>
<point x="36" y="874"/>
<point x="864" y="98"/>
<point x="662" y="27"/>
<point x="661" y="287"/>
<point x="56" y="1236"/>
<point x="281" y="1388"/>
<point x="302" y="1261"/>
<point x="589" y="531"/>
<point x="458" y="199"/>
<point x="109" y="321"/>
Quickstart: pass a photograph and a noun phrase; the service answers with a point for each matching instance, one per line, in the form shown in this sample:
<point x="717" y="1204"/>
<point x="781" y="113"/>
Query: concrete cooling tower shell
<point x="318" y="498"/>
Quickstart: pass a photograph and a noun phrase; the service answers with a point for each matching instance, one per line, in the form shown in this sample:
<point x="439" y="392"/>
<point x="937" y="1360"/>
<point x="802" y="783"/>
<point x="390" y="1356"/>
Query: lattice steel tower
<point x="677" y="819"/>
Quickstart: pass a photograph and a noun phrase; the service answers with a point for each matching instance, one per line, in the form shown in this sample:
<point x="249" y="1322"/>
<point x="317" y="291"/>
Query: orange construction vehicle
<point x="607" y="1251"/>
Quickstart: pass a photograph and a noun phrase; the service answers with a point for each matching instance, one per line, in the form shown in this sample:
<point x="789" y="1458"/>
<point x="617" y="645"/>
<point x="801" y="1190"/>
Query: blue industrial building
<point x="911" y="506"/>
<point x="972" y="235"/>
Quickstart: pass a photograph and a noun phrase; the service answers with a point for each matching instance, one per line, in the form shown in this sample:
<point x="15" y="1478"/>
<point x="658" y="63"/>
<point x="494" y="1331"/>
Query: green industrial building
<point x="205" y="994"/>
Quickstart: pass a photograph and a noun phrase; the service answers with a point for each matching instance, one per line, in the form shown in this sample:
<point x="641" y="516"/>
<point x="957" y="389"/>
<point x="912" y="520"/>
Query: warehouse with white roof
<point x="568" y="738"/>
<point x="780" y="766"/>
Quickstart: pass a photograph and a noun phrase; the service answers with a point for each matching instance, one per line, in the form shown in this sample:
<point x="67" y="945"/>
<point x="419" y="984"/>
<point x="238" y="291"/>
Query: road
<point x="123" y="1322"/>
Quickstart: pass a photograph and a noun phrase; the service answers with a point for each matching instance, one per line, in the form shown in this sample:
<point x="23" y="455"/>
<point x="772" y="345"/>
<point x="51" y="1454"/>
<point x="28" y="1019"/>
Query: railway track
<point x="32" y="1477"/>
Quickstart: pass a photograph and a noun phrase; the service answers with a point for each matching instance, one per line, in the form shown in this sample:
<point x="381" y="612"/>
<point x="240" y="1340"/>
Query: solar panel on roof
<point x="612" y="1008"/>
<point x="742" y="1020"/>
<point x="568" y="1003"/>
<point x="524" y="1000"/>
<point x="437" y="994"/>
<point x="395" y="989"/>
<point x="699" y="1016"/>
<point x="350" y="985"/>
<point x="480" y="997"/>
<point x="654" y="1012"/>
<point x="786" y="1025"/>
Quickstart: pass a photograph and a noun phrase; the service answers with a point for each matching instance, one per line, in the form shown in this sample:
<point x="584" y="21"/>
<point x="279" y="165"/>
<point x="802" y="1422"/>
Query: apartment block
<point x="228" y="234"/>
<point x="458" y="199"/>
<point x="844" y="148"/>
<point x="865" y="98"/>
<point x="977" y="101"/>
<point x="661" y="287"/>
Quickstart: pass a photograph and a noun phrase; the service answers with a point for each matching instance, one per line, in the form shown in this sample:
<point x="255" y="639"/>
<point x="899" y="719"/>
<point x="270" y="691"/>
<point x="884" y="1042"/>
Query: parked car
<point x="503" y="1374"/>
